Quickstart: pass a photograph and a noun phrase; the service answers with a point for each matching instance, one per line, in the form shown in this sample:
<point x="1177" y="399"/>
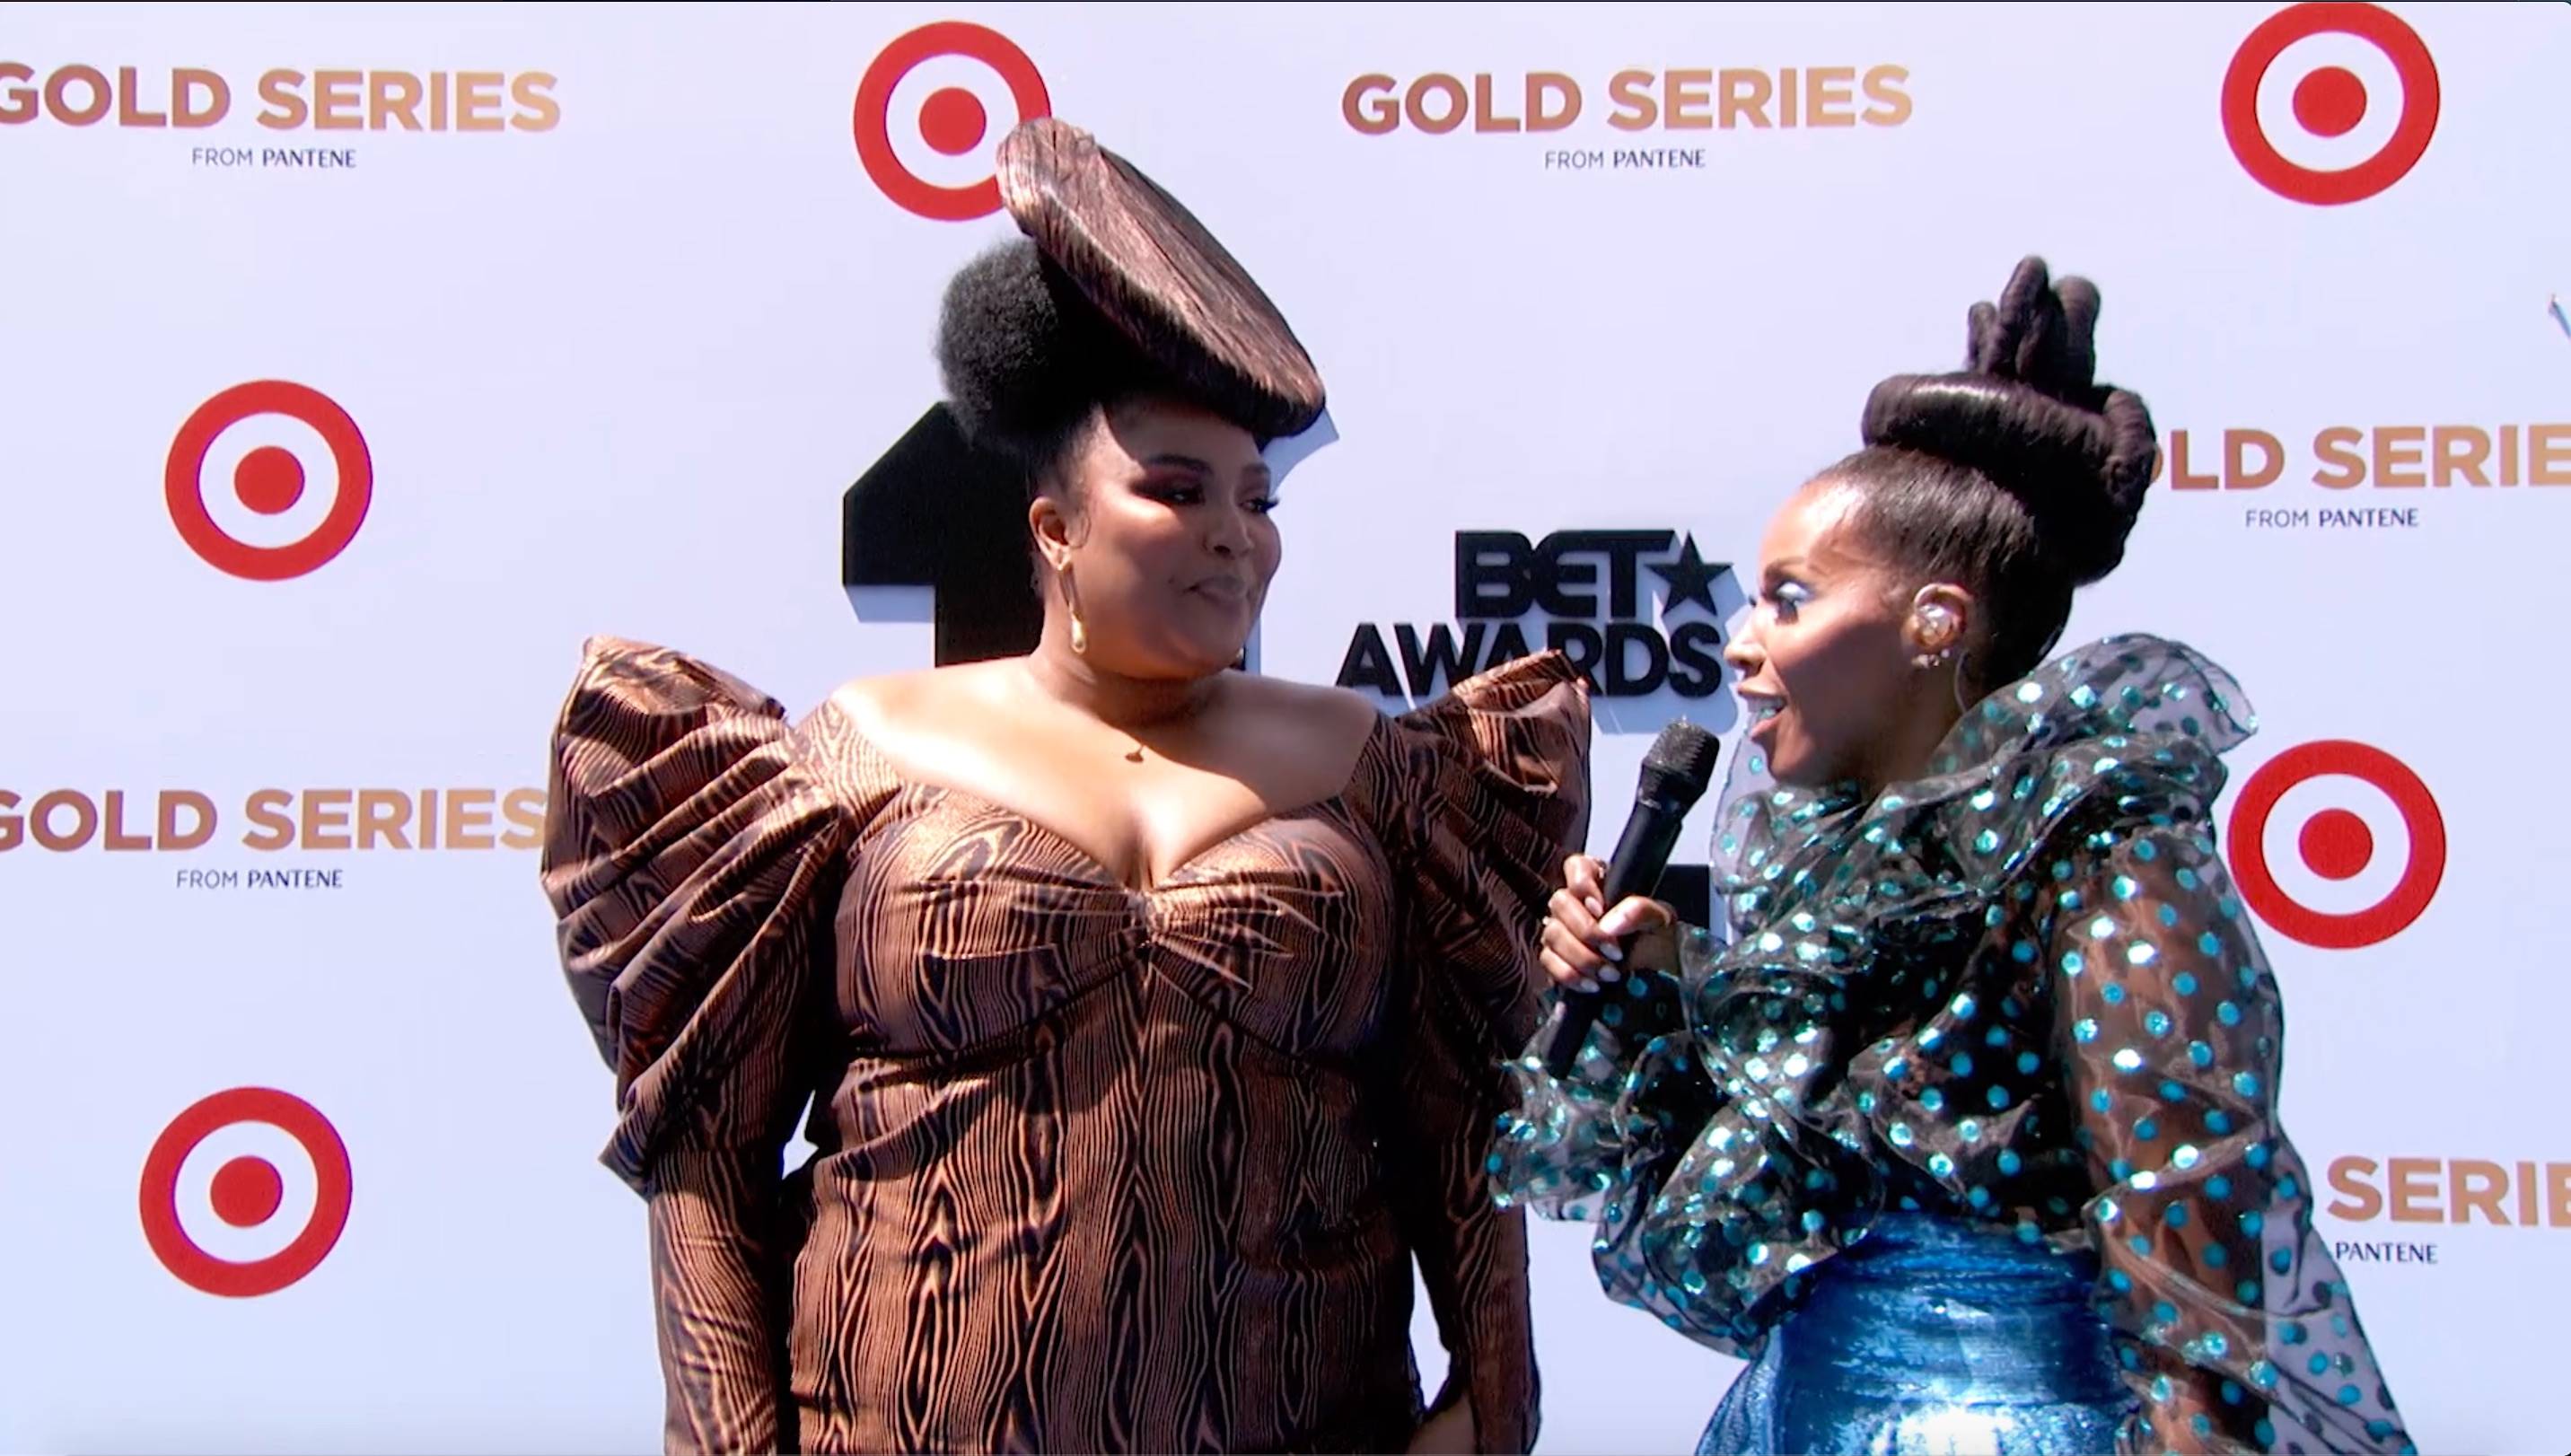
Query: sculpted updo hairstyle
<point x="2018" y="478"/>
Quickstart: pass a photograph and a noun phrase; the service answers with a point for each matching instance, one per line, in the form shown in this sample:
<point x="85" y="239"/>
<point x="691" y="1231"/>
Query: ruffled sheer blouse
<point x="2020" y="992"/>
<point x="1096" y="1168"/>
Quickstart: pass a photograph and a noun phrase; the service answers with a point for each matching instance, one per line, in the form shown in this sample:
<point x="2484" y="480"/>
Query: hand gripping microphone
<point x="1675" y="775"/>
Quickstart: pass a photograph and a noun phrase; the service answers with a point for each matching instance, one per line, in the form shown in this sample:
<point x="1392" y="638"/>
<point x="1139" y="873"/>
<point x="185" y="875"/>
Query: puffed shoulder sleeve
<point x="688" y="857"/>
<point x="685" y="856"/>
<point x="1494" y="795"/>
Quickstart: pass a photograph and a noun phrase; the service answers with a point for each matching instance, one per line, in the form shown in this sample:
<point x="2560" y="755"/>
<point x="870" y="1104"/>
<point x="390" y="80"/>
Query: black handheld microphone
<point x="1675" y="775"/>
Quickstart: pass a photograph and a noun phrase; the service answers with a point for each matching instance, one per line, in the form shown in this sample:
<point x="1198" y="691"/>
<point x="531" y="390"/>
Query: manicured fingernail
<point x="1613" y="952"/>
<point x="1610" y="974"/>
<point x="1588" y="985"/>
<point x="1596" y="905"/>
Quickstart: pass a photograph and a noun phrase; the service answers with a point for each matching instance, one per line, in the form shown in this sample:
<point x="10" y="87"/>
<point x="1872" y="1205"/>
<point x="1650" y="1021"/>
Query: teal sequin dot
<point x="2264" y="1375"/>
<point x="2158" y="1023"/>
<point x="2258" y="1155"/>
<point x="2023" y="952"/>
<point x="1987" y="840"/>
<point x="2169" y="916"/>
<point x="2172" y="1091"/>
<point x="2378" y="1430"/>
<point x="2101" y="1100"/>
<point x="2210" y="944"/>
<point x="1963" y="1063"/>
<point x="2350" y="1395"/>
<point x="2319" y="1364"/>
<point x="2266" y="1430"/>
<point x="2200" y="1053"/>
<point x="2176" y="1215"/>
<point x="2125" y="887"/>
<point x="2281" y="1261"/>
<point x="2185" y="983"/>
<point x="1934" y="1100"/>
<point x="2219" y="1187"/>
<point x="2246" y="1082"/>
<point x="2233" y="1394"/>
<point x="2252" y="1221"/>
<point x="2248" y="1291"/>
<point x="2165" y="1312"/>
<point x="2141" y="1243"/>
<point x="2217" y="1122"/>
<point x="2121" y="1282"/>
<point x="2228" y="1014"/>
<point x="1941" y="1165"/>
<point x="2071" y="963"/>
<point x="2147" y="1129"/>
<point x="2115" y="995"/>
<point x="2086" y="1028"/>
<point x="2146" y="851"/>
<point x="2028" y="1063"/>
<point x="1999" y="1099"/>
<point x="2202" y="1424"/>
<point x="2215" y="1255"/>
<point x="1977" y="1196"/>
<point x="2010" y="1163"/>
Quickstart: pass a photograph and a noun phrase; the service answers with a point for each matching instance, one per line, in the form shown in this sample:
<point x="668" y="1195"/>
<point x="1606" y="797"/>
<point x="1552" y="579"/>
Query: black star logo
<point x="1690" y="579"/>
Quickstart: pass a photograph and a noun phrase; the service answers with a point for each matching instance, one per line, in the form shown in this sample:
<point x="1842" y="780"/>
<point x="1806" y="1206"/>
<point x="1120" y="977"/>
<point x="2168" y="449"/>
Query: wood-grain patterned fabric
<point x="1096" y="1169"/>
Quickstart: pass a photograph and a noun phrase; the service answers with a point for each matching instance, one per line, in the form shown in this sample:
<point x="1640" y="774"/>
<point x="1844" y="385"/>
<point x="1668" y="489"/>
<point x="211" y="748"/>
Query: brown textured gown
<point x="1096" y="1169"/>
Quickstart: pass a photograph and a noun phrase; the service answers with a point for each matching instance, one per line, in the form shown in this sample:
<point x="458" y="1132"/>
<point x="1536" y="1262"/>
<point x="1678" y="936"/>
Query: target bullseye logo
<point x="237" y="474"/>
<point x="943" y="77"/>
<point x="2369" y="844"/>
<point x="2348" y="89"/>
<point x="218" y="1209"/>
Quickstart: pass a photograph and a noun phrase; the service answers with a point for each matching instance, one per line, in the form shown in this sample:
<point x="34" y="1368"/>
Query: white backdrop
<point x="614" y="354"/>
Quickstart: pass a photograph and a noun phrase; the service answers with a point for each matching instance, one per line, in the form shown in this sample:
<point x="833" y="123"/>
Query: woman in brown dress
<point x="1152" y="1015"/>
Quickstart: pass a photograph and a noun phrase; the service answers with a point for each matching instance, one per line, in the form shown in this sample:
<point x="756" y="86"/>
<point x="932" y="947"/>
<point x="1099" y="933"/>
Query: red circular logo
<point x="268" y="480"/>
<point x="952" y="121"/>
<point x="2330" y="101"/>
<point x="246" y="1193"/>
<point x="2336" y="844"/>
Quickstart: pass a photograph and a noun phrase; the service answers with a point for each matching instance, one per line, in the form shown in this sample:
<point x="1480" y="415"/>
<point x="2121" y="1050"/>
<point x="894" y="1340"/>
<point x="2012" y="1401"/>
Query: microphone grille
<point x="1681" y="760"/>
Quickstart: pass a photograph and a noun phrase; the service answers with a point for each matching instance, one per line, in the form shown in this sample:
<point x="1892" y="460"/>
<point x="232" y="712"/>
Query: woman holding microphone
<point x="1966" y="1134"/>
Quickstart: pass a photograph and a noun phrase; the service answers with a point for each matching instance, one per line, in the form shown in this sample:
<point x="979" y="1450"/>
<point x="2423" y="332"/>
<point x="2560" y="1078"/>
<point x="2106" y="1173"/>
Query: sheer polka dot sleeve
<point x="2233" y="1326"/>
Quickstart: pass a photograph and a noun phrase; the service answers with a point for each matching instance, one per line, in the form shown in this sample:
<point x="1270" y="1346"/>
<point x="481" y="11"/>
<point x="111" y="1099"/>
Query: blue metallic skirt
<point x="1932" y="1338"/>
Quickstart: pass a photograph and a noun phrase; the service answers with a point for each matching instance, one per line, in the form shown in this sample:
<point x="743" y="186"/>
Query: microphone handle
<point x="1641" y="855"/>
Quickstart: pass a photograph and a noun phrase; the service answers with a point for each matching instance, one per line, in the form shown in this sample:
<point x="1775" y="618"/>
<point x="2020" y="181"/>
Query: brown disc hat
<point x="1144" y="263"/>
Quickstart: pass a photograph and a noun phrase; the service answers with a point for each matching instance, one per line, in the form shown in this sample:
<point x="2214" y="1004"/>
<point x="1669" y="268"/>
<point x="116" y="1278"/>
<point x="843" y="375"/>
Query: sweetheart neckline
<point x="1175" y="878"/>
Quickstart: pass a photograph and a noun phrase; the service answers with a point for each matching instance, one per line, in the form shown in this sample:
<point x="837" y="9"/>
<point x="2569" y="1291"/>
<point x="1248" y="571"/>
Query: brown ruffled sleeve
<point x="689" y="862"/>
<point x="1494" y="782"/>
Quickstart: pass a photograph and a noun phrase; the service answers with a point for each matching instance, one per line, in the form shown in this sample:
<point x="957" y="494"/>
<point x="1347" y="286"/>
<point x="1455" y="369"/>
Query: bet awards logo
<point x="2339" y="888"/>
<point x="940" y="81"/>
<point x="219" y="1212"/>
<point x="2349" y="89"/>
<point x="1584" y="591"/>
<point x="262" y="440"/>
